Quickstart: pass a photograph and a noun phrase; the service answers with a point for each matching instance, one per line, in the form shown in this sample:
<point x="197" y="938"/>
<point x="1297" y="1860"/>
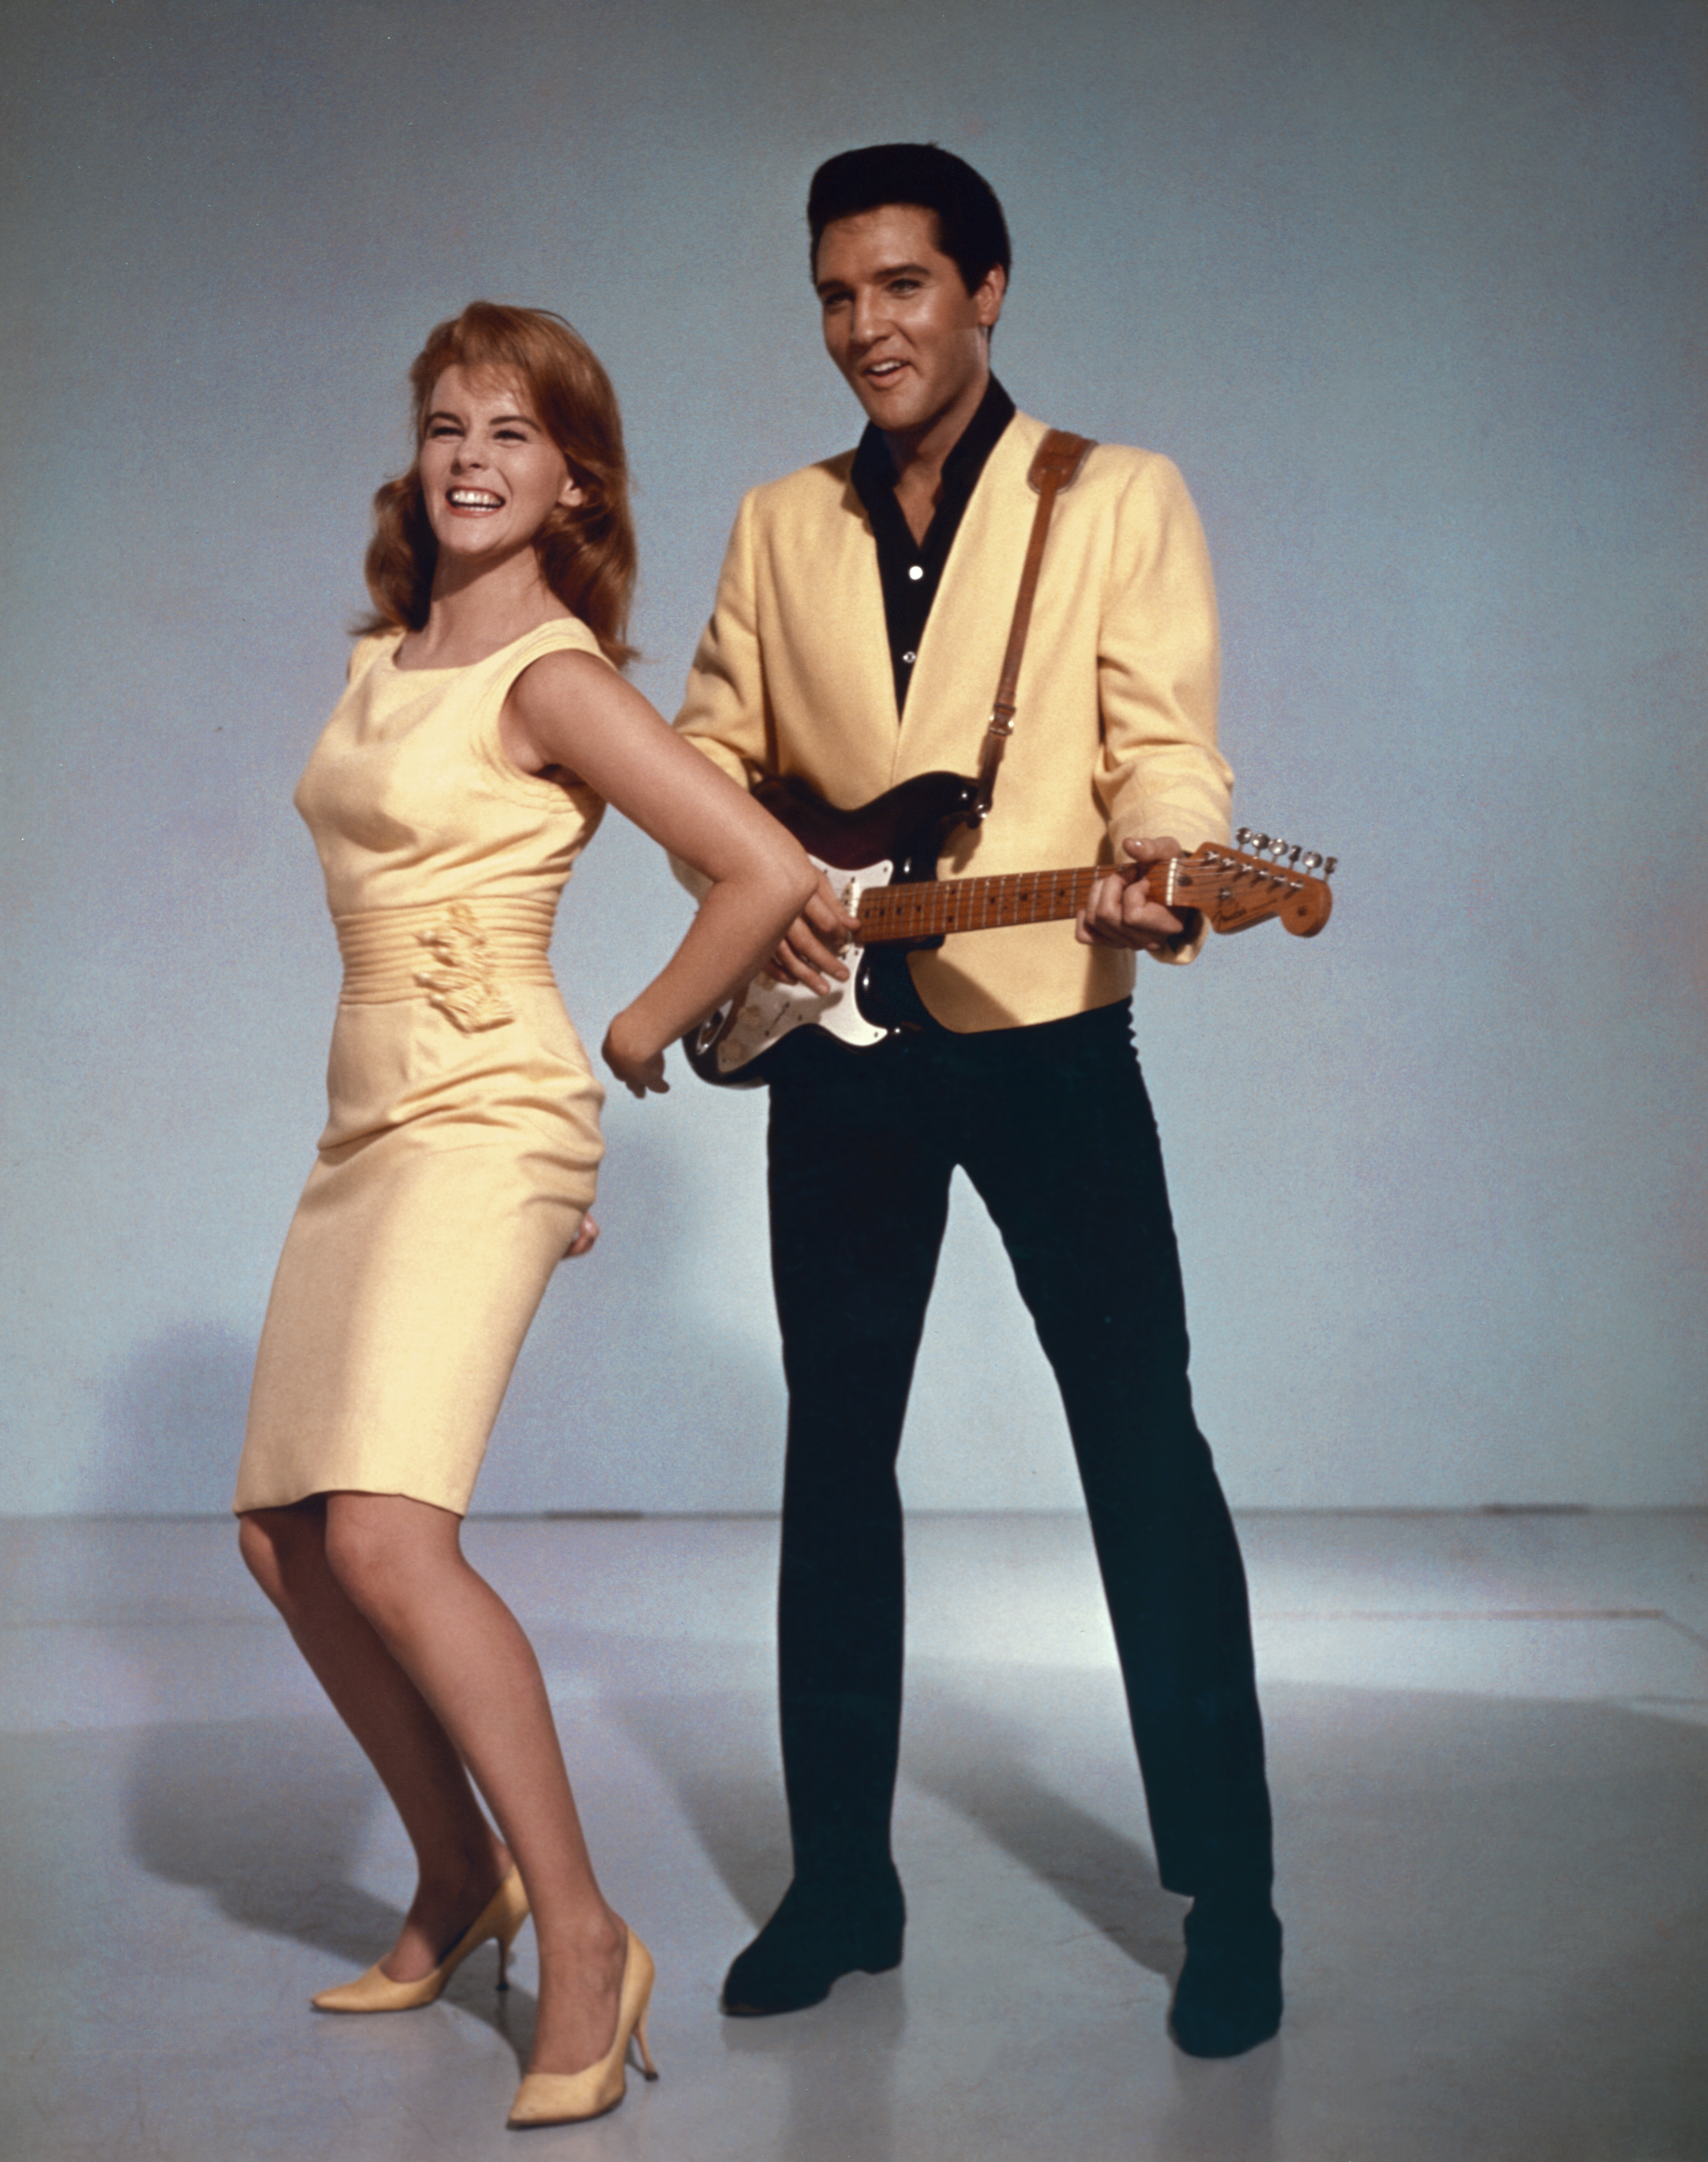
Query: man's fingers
<point x="1118" y="914"/>
<point x="828" y="921"/>
<point x="817" y="952"/>
<point x="810" y="950"/>
<point x="787" y="966"/>
<point x="1155" y="848"/>
<point x="827" y="913"/>
<point x="803" y="957"/>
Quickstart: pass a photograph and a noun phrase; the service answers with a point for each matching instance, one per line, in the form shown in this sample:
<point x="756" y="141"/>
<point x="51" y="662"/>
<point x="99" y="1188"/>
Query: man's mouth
<point x="883" y="371"/>
<point x="473" y="498"/>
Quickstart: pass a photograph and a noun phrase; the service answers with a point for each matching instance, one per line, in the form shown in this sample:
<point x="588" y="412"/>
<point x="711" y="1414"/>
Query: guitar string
<point x="1007" y="899"/>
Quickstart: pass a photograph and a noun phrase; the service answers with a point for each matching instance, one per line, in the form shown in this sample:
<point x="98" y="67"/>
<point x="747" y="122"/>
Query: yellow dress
<point x="463" y="1142"/>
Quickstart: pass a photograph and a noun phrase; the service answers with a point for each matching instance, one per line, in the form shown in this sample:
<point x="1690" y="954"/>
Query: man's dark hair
<point x="971" y="230"/>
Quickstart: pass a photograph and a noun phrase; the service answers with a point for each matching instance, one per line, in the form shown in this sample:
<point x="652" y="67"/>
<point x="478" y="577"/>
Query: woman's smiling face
<point x="491" y="476"/>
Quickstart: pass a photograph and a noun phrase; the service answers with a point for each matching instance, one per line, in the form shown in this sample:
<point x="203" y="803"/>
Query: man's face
<point x="900" y="324"/>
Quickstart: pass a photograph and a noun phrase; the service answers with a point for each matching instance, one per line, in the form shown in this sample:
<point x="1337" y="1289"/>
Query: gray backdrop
<point x="1414" y="294"/>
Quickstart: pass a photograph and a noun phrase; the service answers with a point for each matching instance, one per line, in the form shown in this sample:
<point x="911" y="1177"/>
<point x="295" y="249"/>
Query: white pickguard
<point x="769" y="1011"/>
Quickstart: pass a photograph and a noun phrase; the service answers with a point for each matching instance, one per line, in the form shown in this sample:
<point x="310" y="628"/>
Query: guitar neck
<point x="935" y="907"/>
<point x="1232" y="888"/>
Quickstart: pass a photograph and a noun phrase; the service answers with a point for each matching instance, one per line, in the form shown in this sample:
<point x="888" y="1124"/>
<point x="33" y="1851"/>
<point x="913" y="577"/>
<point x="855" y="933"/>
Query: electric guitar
<point x="881" y="861"/>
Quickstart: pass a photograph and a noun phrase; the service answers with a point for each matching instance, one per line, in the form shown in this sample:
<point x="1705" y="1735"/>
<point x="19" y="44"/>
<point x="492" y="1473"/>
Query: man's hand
<point x="808" y="949"/>
<point x="1119" y="913"/>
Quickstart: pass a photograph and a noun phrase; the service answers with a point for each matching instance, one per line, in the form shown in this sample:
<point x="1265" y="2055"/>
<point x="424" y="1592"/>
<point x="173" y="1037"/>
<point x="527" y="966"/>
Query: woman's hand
<point x="641" y="1071"/>
<point x="582" y="1242"/>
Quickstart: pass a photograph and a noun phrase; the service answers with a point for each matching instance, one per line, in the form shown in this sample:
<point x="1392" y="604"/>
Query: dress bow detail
<point x="464" y="986"/>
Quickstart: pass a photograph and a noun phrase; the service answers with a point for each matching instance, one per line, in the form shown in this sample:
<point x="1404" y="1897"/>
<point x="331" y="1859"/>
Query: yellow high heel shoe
<point x="501" y="1917"/>
<point x="568" y="2097"/>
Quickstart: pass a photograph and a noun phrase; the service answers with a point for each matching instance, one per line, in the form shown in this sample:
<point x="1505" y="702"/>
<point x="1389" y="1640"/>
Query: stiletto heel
<point x="502" y="1917"/>
<point x="571" y="2098"/>
<point x="648" y="2069"/>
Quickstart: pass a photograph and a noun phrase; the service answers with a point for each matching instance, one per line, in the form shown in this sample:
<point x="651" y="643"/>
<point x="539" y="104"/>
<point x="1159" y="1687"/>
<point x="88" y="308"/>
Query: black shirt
<point x="911" y="570"/>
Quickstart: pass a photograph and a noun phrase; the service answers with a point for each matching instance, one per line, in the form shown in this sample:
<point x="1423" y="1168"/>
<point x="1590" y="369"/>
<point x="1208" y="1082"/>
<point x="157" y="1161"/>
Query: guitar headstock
<point x="1261" y="877"/>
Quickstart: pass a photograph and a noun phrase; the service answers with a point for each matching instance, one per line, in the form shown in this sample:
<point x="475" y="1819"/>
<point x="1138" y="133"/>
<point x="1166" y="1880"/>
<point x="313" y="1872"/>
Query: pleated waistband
<point x="458" y="954"/>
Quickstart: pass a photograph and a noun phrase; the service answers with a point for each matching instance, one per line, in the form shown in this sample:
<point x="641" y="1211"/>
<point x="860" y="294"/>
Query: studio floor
<point x="1489" y="1748"/>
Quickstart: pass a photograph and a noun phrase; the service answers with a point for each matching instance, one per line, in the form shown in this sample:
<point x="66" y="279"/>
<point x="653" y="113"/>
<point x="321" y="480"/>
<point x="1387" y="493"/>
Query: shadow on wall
<point x="174" y="1422"/>
<point x="633" y="1390"/>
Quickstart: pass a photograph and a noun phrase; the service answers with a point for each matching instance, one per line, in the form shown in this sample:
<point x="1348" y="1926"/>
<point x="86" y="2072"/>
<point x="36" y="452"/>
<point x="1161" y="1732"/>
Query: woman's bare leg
<point x="400" y="1563"/>
<point x="460" y="1862"/>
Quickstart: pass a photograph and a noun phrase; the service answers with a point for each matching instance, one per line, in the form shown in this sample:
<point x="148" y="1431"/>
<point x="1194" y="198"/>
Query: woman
<point x="484" y="728"/>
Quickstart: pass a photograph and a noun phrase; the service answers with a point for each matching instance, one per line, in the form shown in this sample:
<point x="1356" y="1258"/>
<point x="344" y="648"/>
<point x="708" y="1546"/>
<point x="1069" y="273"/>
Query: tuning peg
<point x="1328" y="864"/>
<point x="1312" y="861"/>
<point x="1259" y="842"/>
<point x="1242" y="834"/>
<point x="1277" y="847"/>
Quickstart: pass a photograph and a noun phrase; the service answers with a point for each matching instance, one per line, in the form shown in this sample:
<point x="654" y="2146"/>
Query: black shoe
<point x="1228" y="1998"/>
<point x="819" y="1934"/>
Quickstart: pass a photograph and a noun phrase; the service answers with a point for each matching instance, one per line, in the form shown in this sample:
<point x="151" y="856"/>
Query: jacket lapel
<point x="960" y="657"/>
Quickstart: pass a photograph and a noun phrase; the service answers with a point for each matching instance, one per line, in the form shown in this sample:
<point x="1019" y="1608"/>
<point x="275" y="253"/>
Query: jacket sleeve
<point x="1159" y="673"/>
<point x="725" y="713"/>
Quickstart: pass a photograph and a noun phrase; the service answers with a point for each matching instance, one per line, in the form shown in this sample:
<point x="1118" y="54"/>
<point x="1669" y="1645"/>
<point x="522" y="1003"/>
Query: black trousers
<point x="1054" y="1127"/>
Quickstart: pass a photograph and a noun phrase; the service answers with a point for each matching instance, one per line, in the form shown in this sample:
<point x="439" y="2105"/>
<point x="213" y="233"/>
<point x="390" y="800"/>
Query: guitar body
<point x="894" y="840"/>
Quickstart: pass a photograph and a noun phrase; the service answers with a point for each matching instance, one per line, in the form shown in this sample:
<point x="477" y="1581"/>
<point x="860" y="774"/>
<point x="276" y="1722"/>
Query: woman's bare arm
<point x="570" y="711"/>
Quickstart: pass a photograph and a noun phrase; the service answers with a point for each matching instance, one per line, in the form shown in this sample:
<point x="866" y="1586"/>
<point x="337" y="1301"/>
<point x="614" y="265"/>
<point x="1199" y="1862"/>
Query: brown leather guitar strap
<point x="1059" y="457"/>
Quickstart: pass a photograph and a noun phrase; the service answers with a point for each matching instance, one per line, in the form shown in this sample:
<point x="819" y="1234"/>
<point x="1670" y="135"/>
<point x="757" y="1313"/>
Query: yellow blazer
<point x="1114" y="734"/>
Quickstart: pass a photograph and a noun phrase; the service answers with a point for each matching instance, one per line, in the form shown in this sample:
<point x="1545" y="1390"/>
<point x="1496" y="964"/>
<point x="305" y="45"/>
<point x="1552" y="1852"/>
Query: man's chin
<point x="898" y="407"/>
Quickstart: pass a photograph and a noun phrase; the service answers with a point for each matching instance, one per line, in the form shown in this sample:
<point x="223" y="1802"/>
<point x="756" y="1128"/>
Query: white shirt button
<point x="910" y="658"/>
<point x="916" y="570"/>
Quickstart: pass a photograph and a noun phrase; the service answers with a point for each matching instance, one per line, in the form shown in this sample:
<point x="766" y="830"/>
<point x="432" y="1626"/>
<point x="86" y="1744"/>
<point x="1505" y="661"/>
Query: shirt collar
<point x="874" y="475"/>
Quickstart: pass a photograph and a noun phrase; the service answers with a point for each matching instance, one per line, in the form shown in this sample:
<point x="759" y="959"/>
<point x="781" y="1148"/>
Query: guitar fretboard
<point x="934" y="907"/>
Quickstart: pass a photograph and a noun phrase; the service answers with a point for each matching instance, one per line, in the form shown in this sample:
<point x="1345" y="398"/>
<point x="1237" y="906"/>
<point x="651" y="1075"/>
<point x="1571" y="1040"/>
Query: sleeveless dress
<point x="461" y="1150"/>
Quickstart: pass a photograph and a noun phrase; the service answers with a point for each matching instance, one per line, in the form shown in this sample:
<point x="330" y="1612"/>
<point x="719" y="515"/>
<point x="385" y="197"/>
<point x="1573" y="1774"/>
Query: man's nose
<point x="868" y="321"/>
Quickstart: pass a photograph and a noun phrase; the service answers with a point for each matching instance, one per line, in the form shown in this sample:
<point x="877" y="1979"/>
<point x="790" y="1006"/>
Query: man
<point x="858" y="636"/>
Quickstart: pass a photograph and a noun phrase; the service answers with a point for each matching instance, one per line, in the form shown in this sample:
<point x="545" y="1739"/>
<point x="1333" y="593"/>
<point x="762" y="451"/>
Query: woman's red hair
<point x="587" y="552"/>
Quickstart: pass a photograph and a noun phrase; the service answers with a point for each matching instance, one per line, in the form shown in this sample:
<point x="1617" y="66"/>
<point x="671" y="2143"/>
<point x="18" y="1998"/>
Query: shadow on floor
<point x="721" y="1764"/>
<point x="1497" y="1916"/>
<point x="269" y="1820"/>
<point x="985" y="1765"/>
<point x="719" y="1757"/>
